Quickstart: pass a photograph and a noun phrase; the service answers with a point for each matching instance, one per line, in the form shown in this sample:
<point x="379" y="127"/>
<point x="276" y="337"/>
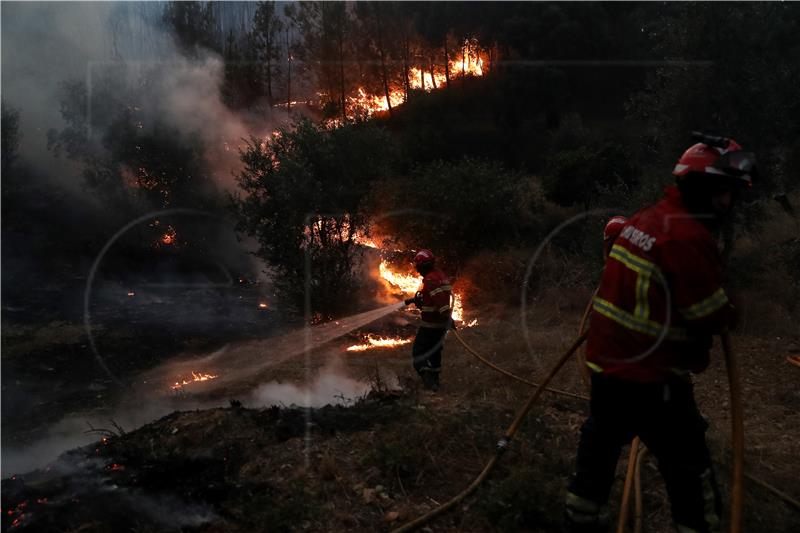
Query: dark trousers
<point x="427" y="351"/>
<point x="666" y="419"/>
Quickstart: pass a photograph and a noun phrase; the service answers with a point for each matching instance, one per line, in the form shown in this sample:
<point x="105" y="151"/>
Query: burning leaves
<point x="372" y="341"/>
<point x="179" y="385"/>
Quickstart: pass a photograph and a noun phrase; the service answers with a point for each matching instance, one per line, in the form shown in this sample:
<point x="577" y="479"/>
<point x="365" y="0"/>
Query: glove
<point x="409" y="301"/>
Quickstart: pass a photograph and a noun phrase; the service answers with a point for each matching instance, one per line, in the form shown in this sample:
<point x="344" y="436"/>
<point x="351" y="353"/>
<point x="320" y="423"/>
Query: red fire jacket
<point x="435" y="304"/>
<point x="660" y="297"/>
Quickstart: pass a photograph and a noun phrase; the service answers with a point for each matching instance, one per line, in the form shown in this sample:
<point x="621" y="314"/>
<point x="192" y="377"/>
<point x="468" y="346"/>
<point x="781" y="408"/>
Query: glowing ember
<point x="372" y="342"/>
<point x="131" y="294"/>
<point x="262" y="305"/>
<point x="169" y="237"/>
<point x="195" y="377"/>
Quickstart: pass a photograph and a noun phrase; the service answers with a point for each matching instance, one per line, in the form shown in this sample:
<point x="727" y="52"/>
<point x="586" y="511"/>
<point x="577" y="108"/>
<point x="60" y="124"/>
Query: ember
<point x="372" y="342"/>
<point x="131" y="294"/>
<point x="262" y="305"/>
<point x="169" y="237"/>
<point x="195" y="377"/>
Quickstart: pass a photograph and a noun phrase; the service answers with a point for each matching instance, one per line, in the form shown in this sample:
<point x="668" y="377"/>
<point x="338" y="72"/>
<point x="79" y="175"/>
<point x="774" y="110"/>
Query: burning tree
<point x="303" y="193"/>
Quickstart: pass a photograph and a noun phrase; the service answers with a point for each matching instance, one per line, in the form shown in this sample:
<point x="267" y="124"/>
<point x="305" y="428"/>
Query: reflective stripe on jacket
<point x="660" y="297"/>
<point x="435" y="306"/>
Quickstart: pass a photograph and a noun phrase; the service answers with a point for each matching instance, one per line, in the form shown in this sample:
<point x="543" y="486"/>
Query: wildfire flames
<point x="410" y="283"/>
<point x="407" y="283"/>
<point x="468" y="63"/>
<point x="371" y="342"/>
<point x="195" y="377"/>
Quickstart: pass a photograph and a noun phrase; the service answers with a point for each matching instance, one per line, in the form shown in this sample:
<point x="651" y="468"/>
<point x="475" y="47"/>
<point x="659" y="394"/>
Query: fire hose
<point x="491" y="365"/>
<point x="633" y="474"/>
<point x="502" y="444"/>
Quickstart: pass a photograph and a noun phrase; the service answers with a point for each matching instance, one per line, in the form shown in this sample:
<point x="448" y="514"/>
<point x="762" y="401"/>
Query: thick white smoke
<point x="331" y="386"/>
<point x="47" y="43"/>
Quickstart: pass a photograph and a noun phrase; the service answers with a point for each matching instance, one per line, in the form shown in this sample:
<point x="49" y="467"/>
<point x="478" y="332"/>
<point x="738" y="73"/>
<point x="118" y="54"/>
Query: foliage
<point x="576" y="176"/>
<point x="302" y="198"/>
<point x="192" y="25"/>
<point x="456" y="209"/>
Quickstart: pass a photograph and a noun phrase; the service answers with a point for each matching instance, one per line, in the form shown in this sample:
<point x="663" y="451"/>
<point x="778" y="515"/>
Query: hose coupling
<point x="503" y="444"/>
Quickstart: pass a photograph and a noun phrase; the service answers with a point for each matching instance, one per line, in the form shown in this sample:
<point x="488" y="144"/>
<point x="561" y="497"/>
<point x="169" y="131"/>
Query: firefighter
<point x="658" y="303"/>
<point x="611" y="231"/>
<point x="434" y="302"/>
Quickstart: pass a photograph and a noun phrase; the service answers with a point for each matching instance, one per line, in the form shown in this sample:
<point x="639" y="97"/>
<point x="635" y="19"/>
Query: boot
<point x="428" y="380"/>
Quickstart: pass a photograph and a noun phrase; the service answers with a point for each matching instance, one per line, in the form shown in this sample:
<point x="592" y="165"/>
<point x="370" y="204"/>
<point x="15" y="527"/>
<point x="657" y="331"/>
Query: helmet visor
<point x="739" y="164"/>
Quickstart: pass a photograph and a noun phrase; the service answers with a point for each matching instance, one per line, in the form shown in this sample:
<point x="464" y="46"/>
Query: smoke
<point x="331" y="386"/>
<point x="75" y="430"/>
<point x="47" y="43"/>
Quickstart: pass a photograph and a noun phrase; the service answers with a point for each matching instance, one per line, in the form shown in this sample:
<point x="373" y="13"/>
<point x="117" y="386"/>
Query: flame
<point x="467" y="63"/>
<point x="407" y="283"/>
<point x="262" y="305"/>
<point x="377" y="342"/>
<point x="410" y="283"/>
<point x="363" y="240"/>
<point x="169" y="236"/>
<point x="195" y="377"/>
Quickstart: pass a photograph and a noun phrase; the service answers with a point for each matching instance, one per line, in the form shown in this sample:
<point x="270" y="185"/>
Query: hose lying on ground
<point x="491" y="365"/>
<point x="634" y="472"/>
<point x="502" y="445"/>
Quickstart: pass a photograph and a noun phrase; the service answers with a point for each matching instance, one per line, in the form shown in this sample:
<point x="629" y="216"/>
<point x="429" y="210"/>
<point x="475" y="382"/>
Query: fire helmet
<point x="716" y="156"/>
<point x="614" y="227"/>
<point x="424" y="257"/>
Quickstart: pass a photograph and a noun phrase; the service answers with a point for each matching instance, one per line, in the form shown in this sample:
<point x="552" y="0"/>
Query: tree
<point x="457" y="208"/>
<point x="267" y="27"/>
<point x="302" y="197"/>
<point x="192" y="25"/>
<point x="10" y="136"/>
<point x="576" y="176"/>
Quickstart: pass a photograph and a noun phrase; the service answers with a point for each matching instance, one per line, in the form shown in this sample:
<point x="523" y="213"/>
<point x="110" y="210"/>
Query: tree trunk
<point x="288" y="74"/>
<point x="269" y="71"/>
<point x="341" y="75"/>
<point x="433" y="76"/>
<point x="446" y="63"/>
<point x="463" y="65"/>
<point x="383" y="59"/>
<point x="406" y="81"/>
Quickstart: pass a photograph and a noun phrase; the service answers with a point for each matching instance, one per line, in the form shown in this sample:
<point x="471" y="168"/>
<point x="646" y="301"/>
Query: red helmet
<point x="719" y="156"/>
<point x="424" y="257"/>
<point x="614" y="227"/>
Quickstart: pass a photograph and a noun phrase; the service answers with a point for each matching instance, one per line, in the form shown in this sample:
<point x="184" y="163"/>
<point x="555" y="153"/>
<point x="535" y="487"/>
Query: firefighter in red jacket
<point x="659" y="301"/>
<point x="434" y="302"/>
